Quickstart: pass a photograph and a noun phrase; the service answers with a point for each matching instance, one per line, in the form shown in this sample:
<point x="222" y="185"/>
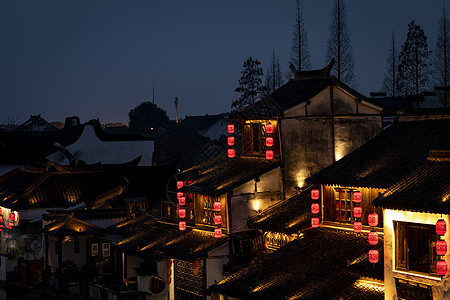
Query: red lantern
<point x="373" y="237"/>
<point x="269" y="128"/>
<point x="315" y="208"/>
<point x="217" y="219"/>
<point x="179" y="195"/>
<point x="230" y="141"/>
<point x="182" y="201"/>
<point x="441" y="227"/>
<point x="269" y="141"/>
<point x="373" y="256"/>
<point x="12" y="216"/>
<point x="357" y="197"/>
<point x="441" y="267"/>
<point x="182" y="225"/>
<point x="179" y="184"/>
<point x="373" y="219"/>
<point x="441" y="247"/>
<point x="230" y="128"/>
<point x="11" y="224"/>
<point x="357" y="212"/>
<point x="231" y="153"/>
<point x="315" y="194"/>
<point x="315" y="222"/>
<point x="218" y="233"/>
<point x="182" y="213"/>
<point x="357" y="226"/>
<point x="269" y="154"/>
<point x="6" y="235"/>
<point x="217" y="206"/>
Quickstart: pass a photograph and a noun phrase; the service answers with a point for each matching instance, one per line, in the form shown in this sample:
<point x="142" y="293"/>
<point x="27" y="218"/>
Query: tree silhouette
<point x="441" y="61"/>
<point x="413" y="69"/>
<point x="147" y="117"/>
<point x="390" y="77"/>
<point x="339" y="46"/>
<point x="299" y="50"/>
<point x="274" y="78"/>
<point x="250" y="84"/>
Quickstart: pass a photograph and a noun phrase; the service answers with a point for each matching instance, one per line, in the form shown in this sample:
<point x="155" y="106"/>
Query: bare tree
<point x="250" y="85"/>
<point x="299" y="50"/>
<point x="390" y="77"/>
<point x="274" y="78"/>
<point x="441" y="61"/>
<point x="413" y="68"/>
<point x="339" y="46"/>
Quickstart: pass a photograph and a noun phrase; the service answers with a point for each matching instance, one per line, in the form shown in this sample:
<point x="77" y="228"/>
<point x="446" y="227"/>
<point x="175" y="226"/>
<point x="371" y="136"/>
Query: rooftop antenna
<point x="176" y="106"/>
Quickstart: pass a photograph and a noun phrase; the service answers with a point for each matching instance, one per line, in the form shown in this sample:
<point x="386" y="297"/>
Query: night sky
<point x="101" y="58"/>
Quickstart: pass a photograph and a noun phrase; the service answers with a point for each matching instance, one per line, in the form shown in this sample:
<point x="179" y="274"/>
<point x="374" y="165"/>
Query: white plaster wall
<point x="132" y="263"/>
<point x="245" y="203"/>
<point x="215" y="130"/>
<point x="92" y="150"/>
<point x="214" y="264"/>
<point x="441" y="288"/>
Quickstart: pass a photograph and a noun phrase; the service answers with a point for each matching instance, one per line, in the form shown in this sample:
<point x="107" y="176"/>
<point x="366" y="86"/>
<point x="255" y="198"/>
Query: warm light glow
<point x="365" y="284"/>
<point x="182" y="213"/>
<point x="256" y="205"/>
<point x="182" y="201"/>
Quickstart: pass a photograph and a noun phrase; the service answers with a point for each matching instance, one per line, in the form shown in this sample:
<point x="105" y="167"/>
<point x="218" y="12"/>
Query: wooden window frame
<point x="347" y="207"/>
<point x="402" y="241"/>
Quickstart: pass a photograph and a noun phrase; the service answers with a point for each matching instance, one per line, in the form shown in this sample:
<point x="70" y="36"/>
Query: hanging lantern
<point x="373" y="237"/>
<point x="357" y="226"/>
<point x="230" y="128"/>
<point x="357" y="212"/>
<point x="269" y="154"/>
<point x="217" y="219"/>
<point x="6" y="235"/>
<point x="315" y="222"/>
<point x="373" y="256"/>
<point x="11" y="224"/>
<point x="373" y="219"/>
<point x="182" y="213"/>
<point x="441" y="247"/>
<point x="179" y="184"/>
<point x="357" y="197"/>
<point x="441" y="227"/>
<point x="179" y="195"/>
<point x="218" y="233"/>
<point x="315" y="208"/>
<point x="230" y="141"/>
<point x="441" y="267"/>
<point x="269" y="128"/>
<point x="231" y="153"/>
<point x="315" y="194"/>
<point x="182" y="225"/>
<point x="269" y="141"/>
<point x="182" y="201"/>
<point x="217" y="206"/>
<point x="12" y="216"/>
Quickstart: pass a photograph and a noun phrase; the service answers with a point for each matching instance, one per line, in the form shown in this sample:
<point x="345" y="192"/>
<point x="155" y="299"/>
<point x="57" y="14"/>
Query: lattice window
<point x="188" y="285"/>
<point x="208" y="209"/>
<point x="344" y="205"/>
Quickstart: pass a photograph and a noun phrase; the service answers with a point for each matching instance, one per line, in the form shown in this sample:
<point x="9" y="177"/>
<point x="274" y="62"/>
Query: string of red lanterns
<point x="269" y="141"/>
<point x="181" y="202"/>
<point x="315" y="208"/>
<point x="441" y="247"/>
<point x="357" y="212"/>
<point x="373" y="238"/>
<point x="218" y="219"/>
<point x="230" y="141"/>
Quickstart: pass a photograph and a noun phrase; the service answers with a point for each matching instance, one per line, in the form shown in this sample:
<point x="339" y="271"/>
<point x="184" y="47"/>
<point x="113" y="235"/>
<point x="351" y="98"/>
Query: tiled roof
<point x="220" y="174"/>
<point x="288" y="216"/>
<point x="314" y="266"/>
<point x="390" y="156"/>
<point x="154" y="239"/>
<point x="73" y="227"/>
<point x="39" y="188"/>
<point x="427" y="189"/>
<point x="293" y="93"/>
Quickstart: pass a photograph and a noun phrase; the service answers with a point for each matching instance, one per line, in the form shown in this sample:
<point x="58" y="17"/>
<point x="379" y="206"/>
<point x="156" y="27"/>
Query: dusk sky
<point x="101" y="58"/>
